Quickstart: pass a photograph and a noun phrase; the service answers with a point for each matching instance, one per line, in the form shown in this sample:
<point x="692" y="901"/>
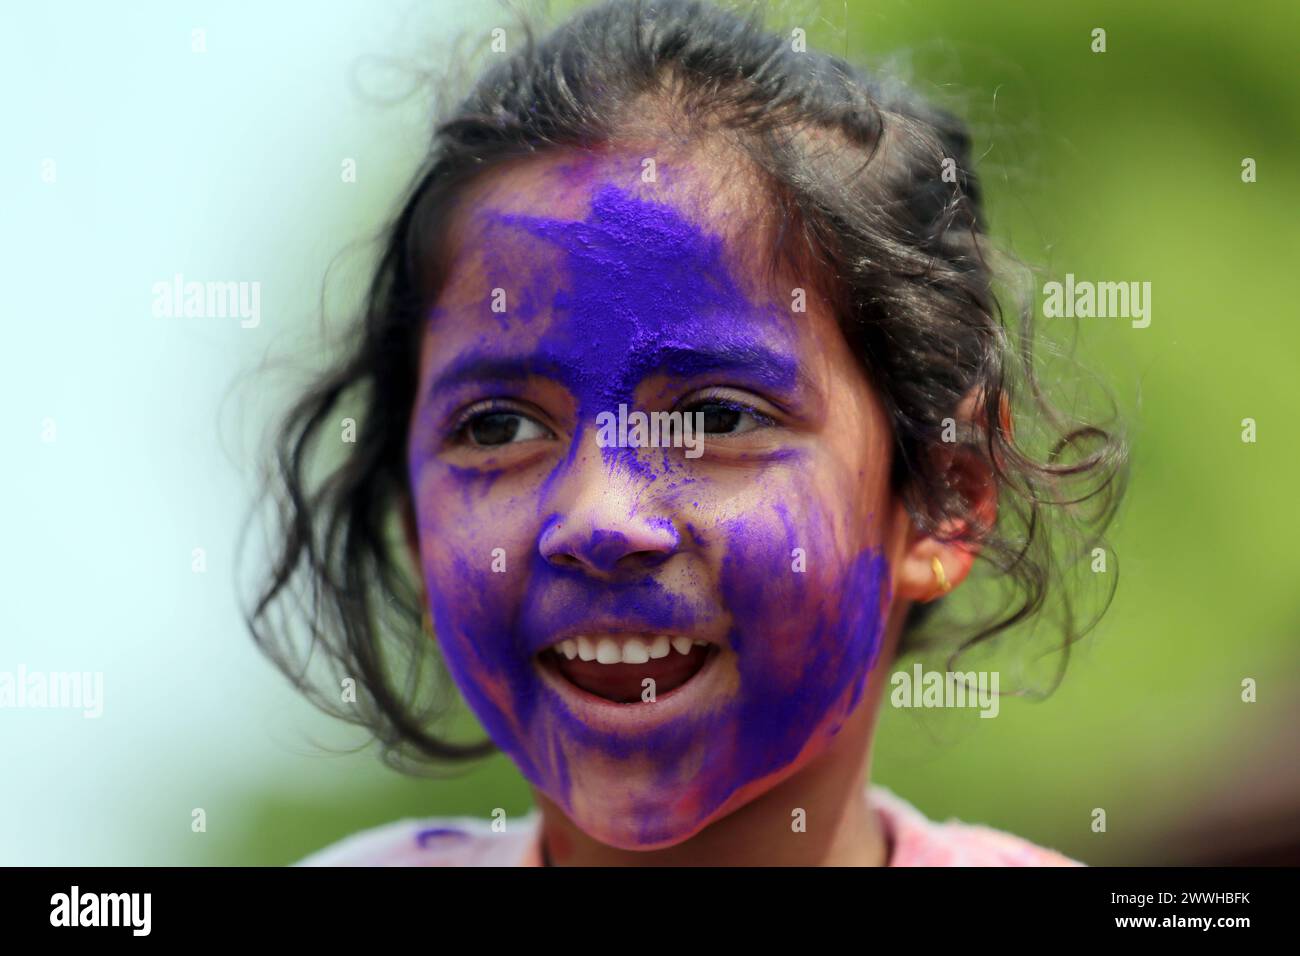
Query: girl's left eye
<point x="499" y="426"/>
<point x="723" y="416"/>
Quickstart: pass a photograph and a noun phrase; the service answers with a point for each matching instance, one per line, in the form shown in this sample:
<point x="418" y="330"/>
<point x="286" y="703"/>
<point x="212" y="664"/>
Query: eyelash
<point x="709" y="398"/>
<point x="492" y="406"/>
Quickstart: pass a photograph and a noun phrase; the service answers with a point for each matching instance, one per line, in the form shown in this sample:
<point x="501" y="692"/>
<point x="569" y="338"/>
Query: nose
<point x="599" y="524"/>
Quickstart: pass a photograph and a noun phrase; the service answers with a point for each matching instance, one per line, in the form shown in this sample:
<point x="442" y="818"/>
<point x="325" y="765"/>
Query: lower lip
<point x="599" y="713"/>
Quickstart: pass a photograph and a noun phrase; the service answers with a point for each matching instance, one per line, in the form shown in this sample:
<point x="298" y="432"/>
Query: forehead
<point x="614" y="259"/>
<point x="710" y="187"/>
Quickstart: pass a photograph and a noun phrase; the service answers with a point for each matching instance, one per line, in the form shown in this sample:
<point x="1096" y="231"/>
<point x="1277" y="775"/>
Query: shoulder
<point x="434" y="841"/>
<point x="919" y="841"/>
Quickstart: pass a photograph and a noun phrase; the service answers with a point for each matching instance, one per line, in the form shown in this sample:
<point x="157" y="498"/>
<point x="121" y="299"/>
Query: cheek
<point x="473" y="548"/>
<point x="473" y="544"/>
<point x="808" y="590"/>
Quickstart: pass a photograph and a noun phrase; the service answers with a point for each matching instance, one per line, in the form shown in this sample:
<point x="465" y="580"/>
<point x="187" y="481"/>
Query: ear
<point x="955" y="543"/>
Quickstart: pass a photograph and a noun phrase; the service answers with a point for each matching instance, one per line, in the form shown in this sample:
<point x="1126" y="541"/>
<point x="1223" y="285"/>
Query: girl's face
<point x="735" y="595"/>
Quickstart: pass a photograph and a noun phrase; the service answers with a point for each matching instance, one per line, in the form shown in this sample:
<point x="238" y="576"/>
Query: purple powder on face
<point x="644" y="290"/>
<point x="648" y="290"/>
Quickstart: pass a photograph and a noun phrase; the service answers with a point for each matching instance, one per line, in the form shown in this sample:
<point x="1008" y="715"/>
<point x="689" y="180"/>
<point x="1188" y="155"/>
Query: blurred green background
<point x="225" y="164"/>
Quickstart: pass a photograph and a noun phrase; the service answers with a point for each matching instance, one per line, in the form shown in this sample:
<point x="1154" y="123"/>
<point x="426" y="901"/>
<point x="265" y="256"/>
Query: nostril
<point x="646" y="559"/>
<point x="564" y="560"/>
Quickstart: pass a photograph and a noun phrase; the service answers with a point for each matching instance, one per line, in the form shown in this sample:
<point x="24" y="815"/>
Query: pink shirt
<point x="470" y="841"/>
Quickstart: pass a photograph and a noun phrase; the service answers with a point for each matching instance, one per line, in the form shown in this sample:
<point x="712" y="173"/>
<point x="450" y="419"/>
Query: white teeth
<point x="635" y="651"/>
<point x="628" y="650"/>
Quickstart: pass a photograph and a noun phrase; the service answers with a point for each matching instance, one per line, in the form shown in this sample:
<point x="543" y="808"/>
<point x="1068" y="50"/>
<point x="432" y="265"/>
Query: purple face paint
<point x="642" y="537"/>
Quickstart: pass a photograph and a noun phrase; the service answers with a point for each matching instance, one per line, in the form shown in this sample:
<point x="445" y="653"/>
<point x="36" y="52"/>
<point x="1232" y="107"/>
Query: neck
<point x="840" y="829"/>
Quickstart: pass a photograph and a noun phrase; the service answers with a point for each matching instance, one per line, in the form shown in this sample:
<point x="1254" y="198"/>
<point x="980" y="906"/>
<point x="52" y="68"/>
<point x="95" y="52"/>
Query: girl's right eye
<point x="499" y="426"/>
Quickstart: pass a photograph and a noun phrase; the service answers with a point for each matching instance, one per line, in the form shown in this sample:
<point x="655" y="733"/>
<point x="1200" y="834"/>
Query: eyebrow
<point x="762" y="364"/>
<point x="757" y="362"/>
<point x="490" y="367"/>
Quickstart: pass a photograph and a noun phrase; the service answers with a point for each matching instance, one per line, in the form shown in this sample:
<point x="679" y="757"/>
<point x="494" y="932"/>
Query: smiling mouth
<point x="615" y="666"/>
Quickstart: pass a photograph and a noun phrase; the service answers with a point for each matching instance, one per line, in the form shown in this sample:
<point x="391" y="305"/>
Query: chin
<point x="652" y="832"/>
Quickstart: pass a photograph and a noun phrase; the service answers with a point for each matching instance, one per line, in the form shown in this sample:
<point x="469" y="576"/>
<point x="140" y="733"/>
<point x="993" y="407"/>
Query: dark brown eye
<point x="719" y="418"/>
<point x="727" y="418"/>
<point x="501" y="428"/>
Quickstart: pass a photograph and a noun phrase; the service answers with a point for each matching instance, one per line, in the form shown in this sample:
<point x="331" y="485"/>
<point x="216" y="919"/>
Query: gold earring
<point x="944" y="584"/>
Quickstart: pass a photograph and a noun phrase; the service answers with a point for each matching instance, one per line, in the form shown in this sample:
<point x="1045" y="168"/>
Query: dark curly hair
<point x="873" y="193"/>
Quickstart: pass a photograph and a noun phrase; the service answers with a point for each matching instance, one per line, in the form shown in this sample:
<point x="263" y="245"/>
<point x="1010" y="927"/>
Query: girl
<point x="662" y="208"/>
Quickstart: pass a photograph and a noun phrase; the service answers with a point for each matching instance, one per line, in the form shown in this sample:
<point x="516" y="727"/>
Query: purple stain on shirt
<point x="424" y="837"/>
